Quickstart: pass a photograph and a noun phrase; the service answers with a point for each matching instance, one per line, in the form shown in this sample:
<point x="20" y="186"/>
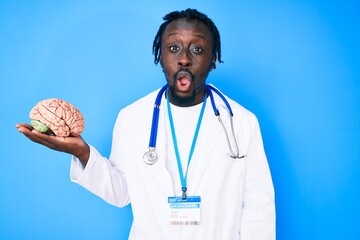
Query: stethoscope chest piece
<point x="150" y="157"/>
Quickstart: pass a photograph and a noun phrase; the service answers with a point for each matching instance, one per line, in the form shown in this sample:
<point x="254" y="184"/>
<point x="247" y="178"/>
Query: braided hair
<point x="189" y="14"/>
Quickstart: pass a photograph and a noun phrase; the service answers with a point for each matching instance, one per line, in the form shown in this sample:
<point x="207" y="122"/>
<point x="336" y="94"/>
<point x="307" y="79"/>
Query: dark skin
<point x="73" y="145"/>
<point x="186" y="58"/>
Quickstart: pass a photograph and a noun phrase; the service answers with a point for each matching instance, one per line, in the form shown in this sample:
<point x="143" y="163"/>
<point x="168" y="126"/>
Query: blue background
<point x="295" y="64"/>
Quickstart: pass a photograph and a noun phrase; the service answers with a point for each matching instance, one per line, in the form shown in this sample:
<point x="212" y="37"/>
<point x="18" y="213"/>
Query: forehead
<point x="192" y="27"/>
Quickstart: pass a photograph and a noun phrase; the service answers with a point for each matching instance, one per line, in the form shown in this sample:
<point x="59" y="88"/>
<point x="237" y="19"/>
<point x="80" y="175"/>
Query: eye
<point x="197" y="49"/>
<point x="174" y="48"/>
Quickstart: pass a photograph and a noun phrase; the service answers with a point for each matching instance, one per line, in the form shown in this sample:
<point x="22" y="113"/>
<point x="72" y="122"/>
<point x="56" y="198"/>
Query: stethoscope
<point x="150" y="156"/>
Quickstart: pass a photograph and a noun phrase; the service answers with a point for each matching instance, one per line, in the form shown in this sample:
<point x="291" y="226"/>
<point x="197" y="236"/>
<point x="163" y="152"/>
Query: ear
<point x="160" y="61"/>
<point x="161" y="64"/>
<point x="213" y="62"/>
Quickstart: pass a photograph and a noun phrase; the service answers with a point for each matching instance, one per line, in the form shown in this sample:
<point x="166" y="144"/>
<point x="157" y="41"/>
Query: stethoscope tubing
<point x="216" y="111"/>
<point x="210" y="89"/>
<point x="155" y="118"/>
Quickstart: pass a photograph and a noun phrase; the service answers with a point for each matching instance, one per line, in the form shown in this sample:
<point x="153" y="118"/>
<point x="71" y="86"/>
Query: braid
<point x="188" y="14"/>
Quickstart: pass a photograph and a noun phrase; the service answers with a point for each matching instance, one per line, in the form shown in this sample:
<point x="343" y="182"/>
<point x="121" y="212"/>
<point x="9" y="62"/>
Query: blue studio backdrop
<point x="295" y="64"/>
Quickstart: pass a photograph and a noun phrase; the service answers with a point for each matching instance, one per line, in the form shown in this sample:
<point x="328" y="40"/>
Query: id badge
<point x="184" y="212"/>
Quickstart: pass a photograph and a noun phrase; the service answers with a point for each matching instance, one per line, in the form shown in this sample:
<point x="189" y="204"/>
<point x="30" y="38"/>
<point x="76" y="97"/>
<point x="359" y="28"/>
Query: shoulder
<point x="240" y="112"/>
<point x="137" y="112"/>
<point x="135" y="117"/>
<point x="140" y="106"/>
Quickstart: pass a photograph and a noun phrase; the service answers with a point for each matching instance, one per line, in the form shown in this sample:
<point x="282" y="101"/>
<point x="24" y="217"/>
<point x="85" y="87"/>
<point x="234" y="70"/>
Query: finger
<point x="31" y="134"/>
<point x="23" y="126"/>
<point x="29" y="131"/>
<point x="51" y="139"/>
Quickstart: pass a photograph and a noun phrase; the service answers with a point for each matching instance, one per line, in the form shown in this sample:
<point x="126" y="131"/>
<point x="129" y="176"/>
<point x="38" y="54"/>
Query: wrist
<point x="84" y="154"/>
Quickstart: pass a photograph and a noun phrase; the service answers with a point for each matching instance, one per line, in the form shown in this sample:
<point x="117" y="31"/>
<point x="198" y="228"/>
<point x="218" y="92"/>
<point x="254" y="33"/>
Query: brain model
<point x="57" y="116"/>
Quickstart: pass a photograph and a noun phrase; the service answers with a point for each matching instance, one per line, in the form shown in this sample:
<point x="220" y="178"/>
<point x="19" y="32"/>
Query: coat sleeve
<point x="258" y="215"/>
<point x="105" y="178"/>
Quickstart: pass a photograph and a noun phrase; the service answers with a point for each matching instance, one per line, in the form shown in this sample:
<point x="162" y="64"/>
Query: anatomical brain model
<point x="58" y="117"/>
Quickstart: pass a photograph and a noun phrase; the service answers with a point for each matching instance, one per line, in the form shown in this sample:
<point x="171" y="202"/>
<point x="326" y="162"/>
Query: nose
<point x="185" y="60"/>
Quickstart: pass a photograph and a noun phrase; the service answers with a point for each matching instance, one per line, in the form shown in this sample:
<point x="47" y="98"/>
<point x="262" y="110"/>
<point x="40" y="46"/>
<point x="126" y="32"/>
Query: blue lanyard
<point x="182" y="177"/>
<point x="155" y="118"/>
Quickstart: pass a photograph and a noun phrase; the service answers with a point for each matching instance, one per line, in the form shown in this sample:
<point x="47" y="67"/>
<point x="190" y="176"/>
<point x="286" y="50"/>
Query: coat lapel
<point x="157" y="174"/>
<point x="207" y="141"/>
<point x="208" y="136"/>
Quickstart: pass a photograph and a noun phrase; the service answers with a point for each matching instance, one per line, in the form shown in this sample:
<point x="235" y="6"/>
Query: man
<point x="196" y="185"/>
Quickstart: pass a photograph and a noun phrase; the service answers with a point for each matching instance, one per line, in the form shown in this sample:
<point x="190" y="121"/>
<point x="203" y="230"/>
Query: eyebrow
<point x="177" y="33"/>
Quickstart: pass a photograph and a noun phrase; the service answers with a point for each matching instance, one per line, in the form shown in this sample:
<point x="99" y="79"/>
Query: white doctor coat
<point x="237" y="196"/>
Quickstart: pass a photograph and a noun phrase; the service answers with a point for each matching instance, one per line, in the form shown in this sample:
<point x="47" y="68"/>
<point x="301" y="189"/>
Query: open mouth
<point x="183" y="80"/>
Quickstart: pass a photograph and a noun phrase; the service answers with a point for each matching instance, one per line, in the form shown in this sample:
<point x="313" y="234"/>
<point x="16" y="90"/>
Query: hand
<point x="73" y="145"/>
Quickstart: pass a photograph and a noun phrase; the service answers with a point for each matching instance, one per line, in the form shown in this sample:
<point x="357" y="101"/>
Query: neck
<point x="180" y="101"/>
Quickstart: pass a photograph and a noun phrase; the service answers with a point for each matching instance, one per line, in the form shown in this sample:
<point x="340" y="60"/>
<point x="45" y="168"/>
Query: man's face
<point x="186" y="57"/>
